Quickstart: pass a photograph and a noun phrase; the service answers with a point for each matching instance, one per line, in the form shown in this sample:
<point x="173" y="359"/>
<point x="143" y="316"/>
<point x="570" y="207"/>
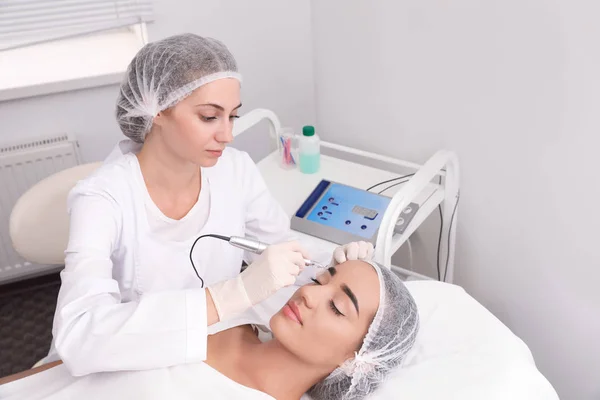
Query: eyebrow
<point x="350" y="294"/>
<point x="346" y="289"/>
<point x="217" y="106"/>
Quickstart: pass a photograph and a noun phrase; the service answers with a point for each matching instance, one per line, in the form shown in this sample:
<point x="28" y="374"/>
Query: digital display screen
<point x="365" y="212"/>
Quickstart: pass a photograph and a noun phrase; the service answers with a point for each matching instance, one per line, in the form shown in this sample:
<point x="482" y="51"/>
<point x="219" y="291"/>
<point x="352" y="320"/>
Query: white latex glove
<point x="277" y="267"/>
<point x="353" y="251"/>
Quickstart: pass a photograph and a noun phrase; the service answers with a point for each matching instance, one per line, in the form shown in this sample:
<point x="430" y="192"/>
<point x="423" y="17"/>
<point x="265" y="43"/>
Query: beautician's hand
<point x="277" y="267"/>
<point x="353" y="251"/>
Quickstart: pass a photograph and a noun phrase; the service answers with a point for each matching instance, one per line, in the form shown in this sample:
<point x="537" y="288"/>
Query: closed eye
<point x="331" y="303"/>
<point x="335" y="309"/>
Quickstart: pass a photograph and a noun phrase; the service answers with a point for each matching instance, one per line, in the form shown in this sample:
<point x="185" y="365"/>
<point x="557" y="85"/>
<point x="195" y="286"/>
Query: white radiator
<point x="21" y="166"/>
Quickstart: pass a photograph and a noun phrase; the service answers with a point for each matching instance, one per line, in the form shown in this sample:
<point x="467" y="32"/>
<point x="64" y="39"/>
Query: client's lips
<point x="216" y="153"/>
<point x="293" y="312"/>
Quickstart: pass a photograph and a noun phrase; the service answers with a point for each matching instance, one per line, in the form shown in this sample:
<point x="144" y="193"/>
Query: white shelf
<point x="291" y="187"/>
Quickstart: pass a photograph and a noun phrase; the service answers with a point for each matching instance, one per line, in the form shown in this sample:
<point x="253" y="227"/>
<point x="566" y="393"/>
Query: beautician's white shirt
<point x="130" y="300"/>
<point x="168" y="229"/>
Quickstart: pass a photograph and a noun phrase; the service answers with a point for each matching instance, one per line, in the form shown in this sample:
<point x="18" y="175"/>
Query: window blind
<point x="26" y="22"/>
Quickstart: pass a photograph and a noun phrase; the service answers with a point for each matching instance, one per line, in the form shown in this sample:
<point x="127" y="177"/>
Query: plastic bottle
<point x="310" y="150"/>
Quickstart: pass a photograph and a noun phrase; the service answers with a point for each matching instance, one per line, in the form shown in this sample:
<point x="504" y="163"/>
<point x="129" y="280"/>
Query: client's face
<point x="324" y="323"/>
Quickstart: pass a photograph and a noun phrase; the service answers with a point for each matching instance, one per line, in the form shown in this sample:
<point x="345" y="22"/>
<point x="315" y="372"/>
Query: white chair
<point x="39" y="223"/>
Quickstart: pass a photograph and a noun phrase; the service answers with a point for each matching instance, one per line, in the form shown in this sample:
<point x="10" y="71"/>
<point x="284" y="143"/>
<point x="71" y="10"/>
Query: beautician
<point x="130" y="298"/>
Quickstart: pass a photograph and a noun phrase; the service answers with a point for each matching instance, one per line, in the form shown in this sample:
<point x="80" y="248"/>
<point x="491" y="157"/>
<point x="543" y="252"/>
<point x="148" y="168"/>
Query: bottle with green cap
<point x="309" y="147"/>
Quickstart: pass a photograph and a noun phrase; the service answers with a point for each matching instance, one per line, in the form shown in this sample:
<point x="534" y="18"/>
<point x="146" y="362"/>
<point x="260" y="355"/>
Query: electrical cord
<point x="388" y="181"/>
<point x="391" y="186"/>
<point x="410" y="254"/>
<point x="225" y="238"/>
<point x="439" y="247"/>
<point x="449" y="232"/>
<point x="440" y="242"/>
<point x="395" y="179"/>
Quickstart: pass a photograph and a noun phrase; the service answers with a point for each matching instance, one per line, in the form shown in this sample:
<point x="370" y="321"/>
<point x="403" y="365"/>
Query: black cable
<point x="389" y="180"/>
<point x="391" y="186"/>
<point x="440" y="242"/>
<point x="395" y="179"/>
<point x="225" y="238"/>
<point x="439" y="272"/>
<point x="449" y="232"/>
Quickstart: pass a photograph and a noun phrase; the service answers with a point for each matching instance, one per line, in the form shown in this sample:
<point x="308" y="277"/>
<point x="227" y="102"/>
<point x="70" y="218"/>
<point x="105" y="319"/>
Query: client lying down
<point x="335" y="339"/>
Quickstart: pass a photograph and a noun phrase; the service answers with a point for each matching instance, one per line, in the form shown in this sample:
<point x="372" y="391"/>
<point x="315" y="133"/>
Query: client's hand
<point x="353" y="251"/>
<point x="277" y="267"/>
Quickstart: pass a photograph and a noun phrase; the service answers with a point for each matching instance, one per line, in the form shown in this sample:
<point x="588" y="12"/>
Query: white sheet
<point x="462" y="352"/>
<point x="185" y="382"/>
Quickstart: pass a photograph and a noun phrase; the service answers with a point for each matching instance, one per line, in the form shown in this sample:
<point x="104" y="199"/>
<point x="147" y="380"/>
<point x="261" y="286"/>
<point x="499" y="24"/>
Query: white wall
<point x="513" y="87"/>
<point x="270" y="40"/>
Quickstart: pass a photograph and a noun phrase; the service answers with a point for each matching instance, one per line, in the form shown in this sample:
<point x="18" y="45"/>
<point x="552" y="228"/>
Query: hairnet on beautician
<point x="389" y="338"/>
<point x="165" y="72"/>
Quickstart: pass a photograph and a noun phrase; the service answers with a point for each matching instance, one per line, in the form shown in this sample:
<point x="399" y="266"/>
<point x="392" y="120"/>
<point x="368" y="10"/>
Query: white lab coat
<point x="131" y="302"/>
